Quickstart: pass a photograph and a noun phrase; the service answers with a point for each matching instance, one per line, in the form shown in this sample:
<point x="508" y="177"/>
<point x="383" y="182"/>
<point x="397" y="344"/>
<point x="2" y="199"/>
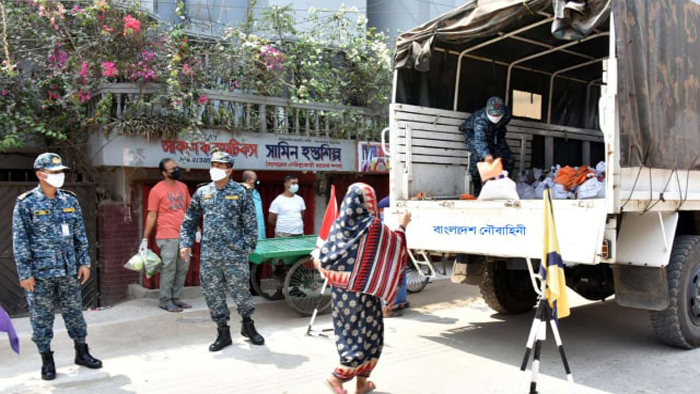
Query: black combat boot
<point x="223" y="339"/>
<point x="48" y="367"/>
<point x="248" y="330"/>
<point x="84" y="358"/>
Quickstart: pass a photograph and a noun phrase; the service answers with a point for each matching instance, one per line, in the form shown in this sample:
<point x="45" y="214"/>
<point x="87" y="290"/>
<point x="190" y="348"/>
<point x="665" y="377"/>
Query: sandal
<point x="170" y="307"/>
<point x="336" y="390"/>
<point x="370" y="387"/>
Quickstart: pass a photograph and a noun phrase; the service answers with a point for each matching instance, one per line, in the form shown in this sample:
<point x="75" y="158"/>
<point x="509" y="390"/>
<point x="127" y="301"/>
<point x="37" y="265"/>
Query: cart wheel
<point x="267" y="280"/>
<point x="302" y="288"/>
<point x="415" y="283"/>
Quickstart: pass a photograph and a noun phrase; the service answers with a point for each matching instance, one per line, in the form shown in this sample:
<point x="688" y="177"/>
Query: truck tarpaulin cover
<point x="477" y="19"/>
<point x="658" y="49"/>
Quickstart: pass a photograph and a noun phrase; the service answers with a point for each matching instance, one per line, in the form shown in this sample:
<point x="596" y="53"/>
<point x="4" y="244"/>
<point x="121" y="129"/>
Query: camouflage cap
<point x="49" y="161"/>
<point x="495" y="106"/>
<point x="221" y="157"/>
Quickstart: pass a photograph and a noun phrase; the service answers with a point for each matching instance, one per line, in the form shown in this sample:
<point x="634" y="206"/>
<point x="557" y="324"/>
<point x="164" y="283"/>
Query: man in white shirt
<point x="287" y="210"/>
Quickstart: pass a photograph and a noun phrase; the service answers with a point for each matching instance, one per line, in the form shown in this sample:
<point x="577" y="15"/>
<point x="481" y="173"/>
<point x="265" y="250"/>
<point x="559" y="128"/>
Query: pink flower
<point x="148" y="55"/>
<point x="131" y="25"/>
<point x="85" y="72"/>
<point x="203" y="100"/>
<point x="77" y="10"/>
<point x="271" y="57"/>
<point x="58" y="58"/>
<point x="84" y="96"/>
<point x="187" y="70"/>
<point x="107" y="29"/>
<point x="54" y="95"/>
<point x="3" y="92"/>
<point x="109" y="69"/>
<point x="100" y="17"/>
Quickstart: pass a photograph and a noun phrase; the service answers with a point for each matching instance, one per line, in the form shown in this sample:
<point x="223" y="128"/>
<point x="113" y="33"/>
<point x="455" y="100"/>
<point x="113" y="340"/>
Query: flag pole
<point x="546" y="313"/>
<point x="313" y="315"/>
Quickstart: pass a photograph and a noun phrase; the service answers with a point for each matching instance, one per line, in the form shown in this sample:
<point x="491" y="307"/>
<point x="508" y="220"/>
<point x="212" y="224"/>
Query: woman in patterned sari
<point x="363" y="261"/>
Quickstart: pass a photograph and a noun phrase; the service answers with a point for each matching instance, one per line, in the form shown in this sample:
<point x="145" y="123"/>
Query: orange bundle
<point x="490" y="170"/>
<point x="570" y="177"/>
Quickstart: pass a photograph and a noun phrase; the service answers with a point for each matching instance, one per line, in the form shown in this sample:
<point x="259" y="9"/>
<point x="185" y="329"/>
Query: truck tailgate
<point x="504" y="228"/>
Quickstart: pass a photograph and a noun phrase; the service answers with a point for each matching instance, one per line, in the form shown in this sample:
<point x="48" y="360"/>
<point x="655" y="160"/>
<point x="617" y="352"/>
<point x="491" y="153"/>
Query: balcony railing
<point x="242" y="112"/>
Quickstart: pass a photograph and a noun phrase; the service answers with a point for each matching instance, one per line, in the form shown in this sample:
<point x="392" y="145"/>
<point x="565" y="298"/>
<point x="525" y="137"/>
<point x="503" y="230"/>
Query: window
<point x="527" y="105"/>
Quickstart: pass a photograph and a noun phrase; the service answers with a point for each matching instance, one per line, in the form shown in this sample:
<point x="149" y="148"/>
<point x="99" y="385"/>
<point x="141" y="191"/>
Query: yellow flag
<point x="552" y="267"/>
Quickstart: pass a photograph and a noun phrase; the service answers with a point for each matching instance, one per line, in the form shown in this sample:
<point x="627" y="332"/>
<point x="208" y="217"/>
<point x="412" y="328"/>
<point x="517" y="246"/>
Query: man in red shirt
<point x="167" y="204"/>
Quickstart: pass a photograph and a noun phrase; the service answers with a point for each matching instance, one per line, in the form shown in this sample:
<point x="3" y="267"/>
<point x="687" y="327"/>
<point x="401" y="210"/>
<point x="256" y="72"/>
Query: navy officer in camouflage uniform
<point x="229" y="235"/>
<point x="485" y="131"/>
<point x="51" y="251"/>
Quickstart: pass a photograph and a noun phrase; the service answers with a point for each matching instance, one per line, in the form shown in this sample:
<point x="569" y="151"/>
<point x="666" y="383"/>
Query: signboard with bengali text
<point x="249" y="150"/>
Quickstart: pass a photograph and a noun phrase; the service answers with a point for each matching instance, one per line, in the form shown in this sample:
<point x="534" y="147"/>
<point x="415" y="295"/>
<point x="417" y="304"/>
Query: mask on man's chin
<point x="494" y="119"/>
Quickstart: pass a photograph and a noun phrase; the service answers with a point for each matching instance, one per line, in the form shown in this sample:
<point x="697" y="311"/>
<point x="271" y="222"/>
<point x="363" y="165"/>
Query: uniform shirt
<point x="170" y="202"/>
<point x="288" y="210"/>
<point x="483" y="137"/>
<point x="229" y="220"/>
<point x="42" y="250"/>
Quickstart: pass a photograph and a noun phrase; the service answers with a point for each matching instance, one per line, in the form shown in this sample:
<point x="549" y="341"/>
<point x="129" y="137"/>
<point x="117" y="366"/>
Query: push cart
<point x="283" y="268"/>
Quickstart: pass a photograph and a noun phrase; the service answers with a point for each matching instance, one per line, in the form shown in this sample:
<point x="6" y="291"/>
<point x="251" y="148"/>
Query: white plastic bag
<point x="601" y="189"/>
<point x="588" y="189"/>
<point x="559" y="193"/>
<point x="525" y="191"/>
<point x="539" y="189"/>
<point x="148" y="262"/>
<point x="499" y="189"/>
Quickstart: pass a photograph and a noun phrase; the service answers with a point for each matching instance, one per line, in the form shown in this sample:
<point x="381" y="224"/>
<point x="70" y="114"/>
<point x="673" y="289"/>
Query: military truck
<point x="604" y="80"/>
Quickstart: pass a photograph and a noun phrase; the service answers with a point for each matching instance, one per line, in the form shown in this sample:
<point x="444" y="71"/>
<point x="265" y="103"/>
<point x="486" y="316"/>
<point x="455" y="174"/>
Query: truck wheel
<point x="507" y="291"/>
<point x="679" y="324"/>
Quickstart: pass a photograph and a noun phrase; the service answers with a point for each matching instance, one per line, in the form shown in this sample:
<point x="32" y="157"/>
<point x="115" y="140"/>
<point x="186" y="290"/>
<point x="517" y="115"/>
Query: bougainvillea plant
<point x="56" y="55"/>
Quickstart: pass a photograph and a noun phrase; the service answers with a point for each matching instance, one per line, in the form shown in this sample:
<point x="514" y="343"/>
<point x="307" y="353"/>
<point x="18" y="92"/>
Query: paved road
<point x="450" y="342"/>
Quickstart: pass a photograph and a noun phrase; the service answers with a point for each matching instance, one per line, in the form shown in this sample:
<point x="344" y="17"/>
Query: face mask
<point x="176" y="174"/>
<point x="494" y="119"/>
<point x="217" y="174"/>
<point x="55" y="180"/>
<point x="294" y="188"/>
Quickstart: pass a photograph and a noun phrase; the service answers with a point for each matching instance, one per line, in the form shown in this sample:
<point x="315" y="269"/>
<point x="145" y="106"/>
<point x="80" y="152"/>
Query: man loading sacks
<point x="485" y="131"/>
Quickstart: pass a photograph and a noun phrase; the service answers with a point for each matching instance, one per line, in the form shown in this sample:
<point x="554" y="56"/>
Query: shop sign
<point x="249" y="150"/>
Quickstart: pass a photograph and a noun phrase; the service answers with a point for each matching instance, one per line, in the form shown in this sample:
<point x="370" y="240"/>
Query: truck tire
<point x="507" y="291"/>
<point x="679" y="324"/>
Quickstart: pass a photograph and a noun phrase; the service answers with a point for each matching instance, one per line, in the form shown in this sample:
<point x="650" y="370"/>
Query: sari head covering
<point x="362" y="254"/>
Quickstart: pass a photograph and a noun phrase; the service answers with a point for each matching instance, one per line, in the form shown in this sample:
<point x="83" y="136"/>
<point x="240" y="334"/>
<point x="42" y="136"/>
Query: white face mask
<point x="217" y="174"/>
<point x="55" y="180"/>
<point x="494" y="119"/>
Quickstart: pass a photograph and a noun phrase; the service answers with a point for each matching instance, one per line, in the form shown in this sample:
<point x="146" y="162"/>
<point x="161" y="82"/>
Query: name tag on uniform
<point x="232" y="197"/>
<point x="65" y="230"/>
<point x="41" y="212"/>
<point x="68" y="210"/>
<point x="207" y="196"/>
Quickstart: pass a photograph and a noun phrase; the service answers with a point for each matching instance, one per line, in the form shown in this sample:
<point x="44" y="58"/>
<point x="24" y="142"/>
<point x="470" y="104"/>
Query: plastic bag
<point x="499" y="189"/>
<point x="539" y="189"/>
<point x="135" y="263"/>
<point x="150" y="263"/>
<point x="588" y="189"/>
<point x="560" y="193"/>
<point x="525" y="191"/>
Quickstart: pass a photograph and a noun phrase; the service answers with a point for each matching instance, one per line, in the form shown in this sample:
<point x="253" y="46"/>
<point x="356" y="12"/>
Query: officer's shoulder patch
<point x="24" y="195"/>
